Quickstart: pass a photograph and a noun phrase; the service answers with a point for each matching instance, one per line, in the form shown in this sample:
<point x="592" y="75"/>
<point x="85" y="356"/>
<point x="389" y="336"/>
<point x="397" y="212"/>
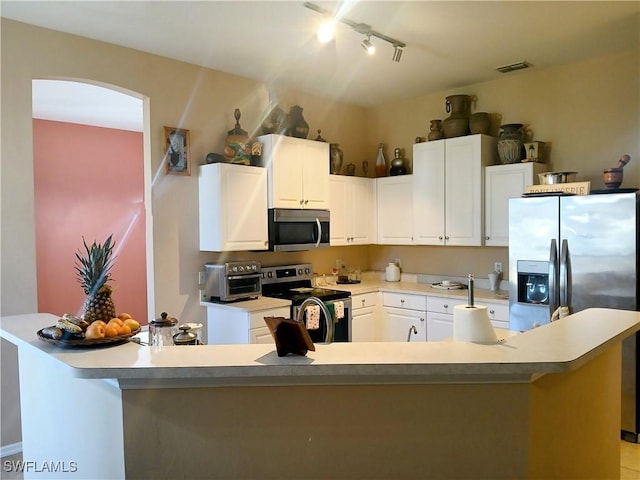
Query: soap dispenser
<point x="392" y="273"/>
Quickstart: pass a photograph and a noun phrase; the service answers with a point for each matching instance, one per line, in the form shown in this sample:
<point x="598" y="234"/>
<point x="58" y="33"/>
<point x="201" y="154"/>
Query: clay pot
<point x="336" y="158"/>
<point x="435" y="131"/>
<point x="612" y="177"/>
<point x="479" y="122"/>
<point x="511" y="143"/>
<point x="457" y="124"/>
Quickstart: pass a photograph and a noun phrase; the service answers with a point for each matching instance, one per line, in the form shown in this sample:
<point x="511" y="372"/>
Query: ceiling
<point x="448" y="44"/>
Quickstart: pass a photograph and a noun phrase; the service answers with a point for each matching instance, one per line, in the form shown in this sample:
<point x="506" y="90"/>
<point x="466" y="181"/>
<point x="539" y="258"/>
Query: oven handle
<point x="319" y="232"/>
<point x="237" y="277"/>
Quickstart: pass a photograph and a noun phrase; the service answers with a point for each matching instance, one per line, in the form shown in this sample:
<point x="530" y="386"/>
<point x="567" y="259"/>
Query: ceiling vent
<point x="513" y="66"/>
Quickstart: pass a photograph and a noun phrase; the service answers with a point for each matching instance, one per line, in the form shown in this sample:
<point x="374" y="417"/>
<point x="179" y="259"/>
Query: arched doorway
<point x="90" y="181"/>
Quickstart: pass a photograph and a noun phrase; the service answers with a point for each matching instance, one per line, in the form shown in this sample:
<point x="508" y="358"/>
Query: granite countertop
<point x="560" y="346"/>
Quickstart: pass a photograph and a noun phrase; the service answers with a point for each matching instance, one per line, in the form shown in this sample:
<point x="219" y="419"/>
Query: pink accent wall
<point x="89" y="182"/>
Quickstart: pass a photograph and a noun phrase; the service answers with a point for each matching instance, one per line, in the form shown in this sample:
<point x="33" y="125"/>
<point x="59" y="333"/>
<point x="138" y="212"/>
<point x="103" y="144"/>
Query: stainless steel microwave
<point x="294" y="230"/>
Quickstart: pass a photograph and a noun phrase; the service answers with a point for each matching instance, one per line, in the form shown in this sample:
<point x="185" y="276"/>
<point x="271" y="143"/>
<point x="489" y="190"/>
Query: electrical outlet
<point x="497" y="266"/>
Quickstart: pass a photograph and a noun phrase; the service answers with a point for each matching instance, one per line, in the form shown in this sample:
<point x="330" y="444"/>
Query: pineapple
<point x="93" y="272"/>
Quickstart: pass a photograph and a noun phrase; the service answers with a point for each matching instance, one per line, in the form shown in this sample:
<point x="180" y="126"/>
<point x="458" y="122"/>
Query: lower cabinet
<point x="440" y="316"/>
<point x="404" y="317"/>
<point x="230" y="325"/>
<point x="365" y="326"/>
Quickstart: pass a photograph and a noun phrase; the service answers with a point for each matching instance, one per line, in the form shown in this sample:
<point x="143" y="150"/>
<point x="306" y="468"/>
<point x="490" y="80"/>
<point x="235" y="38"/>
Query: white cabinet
<point x="298" y="172"/>
<point x="232" y="207"/>
<point x="394" y="210"/>
<point x="365" y="325"/>
<point x="440" y="316"/>
<point x="352" y="205"/>
<point x="233" y="325"/>
<point x="448" y="190"/>
<point x="503" y="182"/>
<point x="401" y="314"/>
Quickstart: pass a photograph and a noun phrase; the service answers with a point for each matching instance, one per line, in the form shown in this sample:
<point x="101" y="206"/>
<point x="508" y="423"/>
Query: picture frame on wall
<point x="176" y="151"/>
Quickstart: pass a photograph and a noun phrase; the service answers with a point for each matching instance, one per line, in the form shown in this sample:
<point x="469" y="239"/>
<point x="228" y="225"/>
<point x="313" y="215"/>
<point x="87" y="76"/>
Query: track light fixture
<point x="368" y="46"/>
<point x="360" y="28"/>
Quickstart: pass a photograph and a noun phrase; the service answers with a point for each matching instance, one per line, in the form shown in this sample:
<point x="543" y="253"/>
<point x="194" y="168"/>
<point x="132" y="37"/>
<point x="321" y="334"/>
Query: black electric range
<point x="294" y="282"/>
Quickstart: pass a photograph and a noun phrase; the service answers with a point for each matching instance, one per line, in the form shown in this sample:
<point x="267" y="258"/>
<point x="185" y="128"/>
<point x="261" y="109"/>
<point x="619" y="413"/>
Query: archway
<point x="91" y="180"/>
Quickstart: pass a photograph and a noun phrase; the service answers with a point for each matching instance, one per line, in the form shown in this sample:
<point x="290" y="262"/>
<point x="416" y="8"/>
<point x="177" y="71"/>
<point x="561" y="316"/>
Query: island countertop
<point x="557" y="347"/>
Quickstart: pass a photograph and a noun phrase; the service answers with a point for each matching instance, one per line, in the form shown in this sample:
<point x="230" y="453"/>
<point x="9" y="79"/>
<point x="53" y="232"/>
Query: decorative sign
<point x="577" y="188"/>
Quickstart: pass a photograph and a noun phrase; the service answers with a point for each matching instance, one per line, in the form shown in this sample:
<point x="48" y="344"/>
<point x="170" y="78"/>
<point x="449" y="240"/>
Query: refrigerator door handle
<point x="565" y="275"/>
<point x="553" y="277"/>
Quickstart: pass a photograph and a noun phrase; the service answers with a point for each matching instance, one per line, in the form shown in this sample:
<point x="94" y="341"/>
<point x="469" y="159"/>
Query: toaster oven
<point x="231" y="281"/>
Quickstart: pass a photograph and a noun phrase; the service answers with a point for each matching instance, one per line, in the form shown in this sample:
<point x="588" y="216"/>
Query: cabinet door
<point x="260" y="335"/>
<point x="428" y="193"/>
<point x="340" y="207"/>
<point x="314" y="157"/>
<point x="364" y="327"/>
<point x="362" y="207"/>
<point x="394" y="199"/>
<point x="284" y="163"/>
<point x="232" y="207"/>
<point x="399" y="323"/>
<point x="464" y="205"/>
<point x="503" y="182"/>
<point x="439" y="326"/>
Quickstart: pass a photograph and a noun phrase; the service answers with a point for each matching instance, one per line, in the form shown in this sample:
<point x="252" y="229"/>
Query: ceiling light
<point x="326" y="31"/>
<point x="368" y="46"/>
<point x="361" y="28"/>
<point x="397" y="53"/>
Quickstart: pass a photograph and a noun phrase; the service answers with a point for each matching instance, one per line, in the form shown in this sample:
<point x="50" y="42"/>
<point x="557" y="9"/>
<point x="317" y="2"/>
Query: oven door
<point x="341" y="327"/>
<point x="242" y="286"/>
<point x="292" y="230"/>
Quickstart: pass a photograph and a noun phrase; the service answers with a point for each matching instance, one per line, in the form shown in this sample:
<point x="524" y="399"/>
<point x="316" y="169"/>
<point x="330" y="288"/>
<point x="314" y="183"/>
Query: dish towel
<point x="312" y="314"/>
<point x="339" y="310"/>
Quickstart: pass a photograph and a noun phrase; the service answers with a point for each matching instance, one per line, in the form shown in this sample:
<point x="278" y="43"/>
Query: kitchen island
<point x="541" y="404"/>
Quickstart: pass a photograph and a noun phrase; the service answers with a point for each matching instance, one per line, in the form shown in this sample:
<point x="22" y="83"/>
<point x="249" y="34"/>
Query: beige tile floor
<point x="629" y="463"/>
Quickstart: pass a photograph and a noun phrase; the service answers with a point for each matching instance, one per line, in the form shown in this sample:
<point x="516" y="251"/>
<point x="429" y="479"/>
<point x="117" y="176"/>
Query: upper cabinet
<point x="232" y="207"/>
<point x="394" y="210"/>
<point x="298" y="172"/>
<point x="503" y="182"/>
<point x="352" y="205"/>
<point x="448" y="189"/>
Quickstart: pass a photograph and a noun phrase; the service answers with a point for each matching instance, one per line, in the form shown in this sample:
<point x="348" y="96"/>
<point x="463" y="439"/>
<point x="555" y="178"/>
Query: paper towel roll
<point x="472" y="324"/>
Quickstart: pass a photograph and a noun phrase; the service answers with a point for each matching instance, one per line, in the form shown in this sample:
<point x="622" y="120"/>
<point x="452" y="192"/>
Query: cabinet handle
<point x="492" y="312"/>
<point x="363" y="302"/>
<point x="422" y="319"/>
<point x="306" y="201"/>
<point x="446" y="238"/>
<point x="440" y="237"/>
<point x="446" y="306"/>
<point x="402" y="301"/>
<point x="487" y="238"/>
<point x="301" y="202"/>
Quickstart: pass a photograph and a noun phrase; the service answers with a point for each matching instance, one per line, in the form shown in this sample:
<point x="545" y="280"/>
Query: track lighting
<point x="360" y="28"/>
<point x="368" y="46"/>
<point x="397" y="53"/>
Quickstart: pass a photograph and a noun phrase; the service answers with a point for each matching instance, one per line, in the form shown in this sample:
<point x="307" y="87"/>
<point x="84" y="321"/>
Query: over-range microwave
<point x="294" y="230"/>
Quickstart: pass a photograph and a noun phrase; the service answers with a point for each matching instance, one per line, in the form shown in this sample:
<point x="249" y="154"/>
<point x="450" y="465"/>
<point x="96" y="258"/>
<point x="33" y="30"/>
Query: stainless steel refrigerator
<point x="581" y="252"/>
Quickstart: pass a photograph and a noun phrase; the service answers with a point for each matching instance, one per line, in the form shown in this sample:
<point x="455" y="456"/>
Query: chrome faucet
<point x="412" y="329"/>
<point x="328" y="317"/>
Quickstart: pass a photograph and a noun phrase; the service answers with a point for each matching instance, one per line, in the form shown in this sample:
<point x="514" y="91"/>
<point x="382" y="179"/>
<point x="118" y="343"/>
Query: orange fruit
<point x="117" y="321"/>
<point x="111" y="330"/>
<point x="124" y="330"/>
<point x="132" y="324"/>
<point x="123" y="316"/>
<point x="99" y="322"/>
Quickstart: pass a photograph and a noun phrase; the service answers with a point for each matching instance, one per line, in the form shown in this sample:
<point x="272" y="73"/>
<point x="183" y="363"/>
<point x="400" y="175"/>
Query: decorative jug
<point x="457" y="124"/>
<point x="479" y="123"/>
<point x="296" y="124"/>
<point x="337" y="158"/>
<point x="435" y="131"/>
<point x="511" y="143"/>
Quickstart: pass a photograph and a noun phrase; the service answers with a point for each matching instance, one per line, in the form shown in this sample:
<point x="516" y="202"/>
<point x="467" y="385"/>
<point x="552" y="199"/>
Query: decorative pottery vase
<point x="296" y="125"/>
<point x="397" y="164"/>
<point x="435" y="130"/>
<point x="457" y="124"/>
<point x="274" y="122"/>
<point x="336" y="158"/>
<point x="479" y="122"/>
<point x="511" y="143"/>
<point x="351" y="169"/>
<point x="381" y="163"/>
<point x="237" y="138"/>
